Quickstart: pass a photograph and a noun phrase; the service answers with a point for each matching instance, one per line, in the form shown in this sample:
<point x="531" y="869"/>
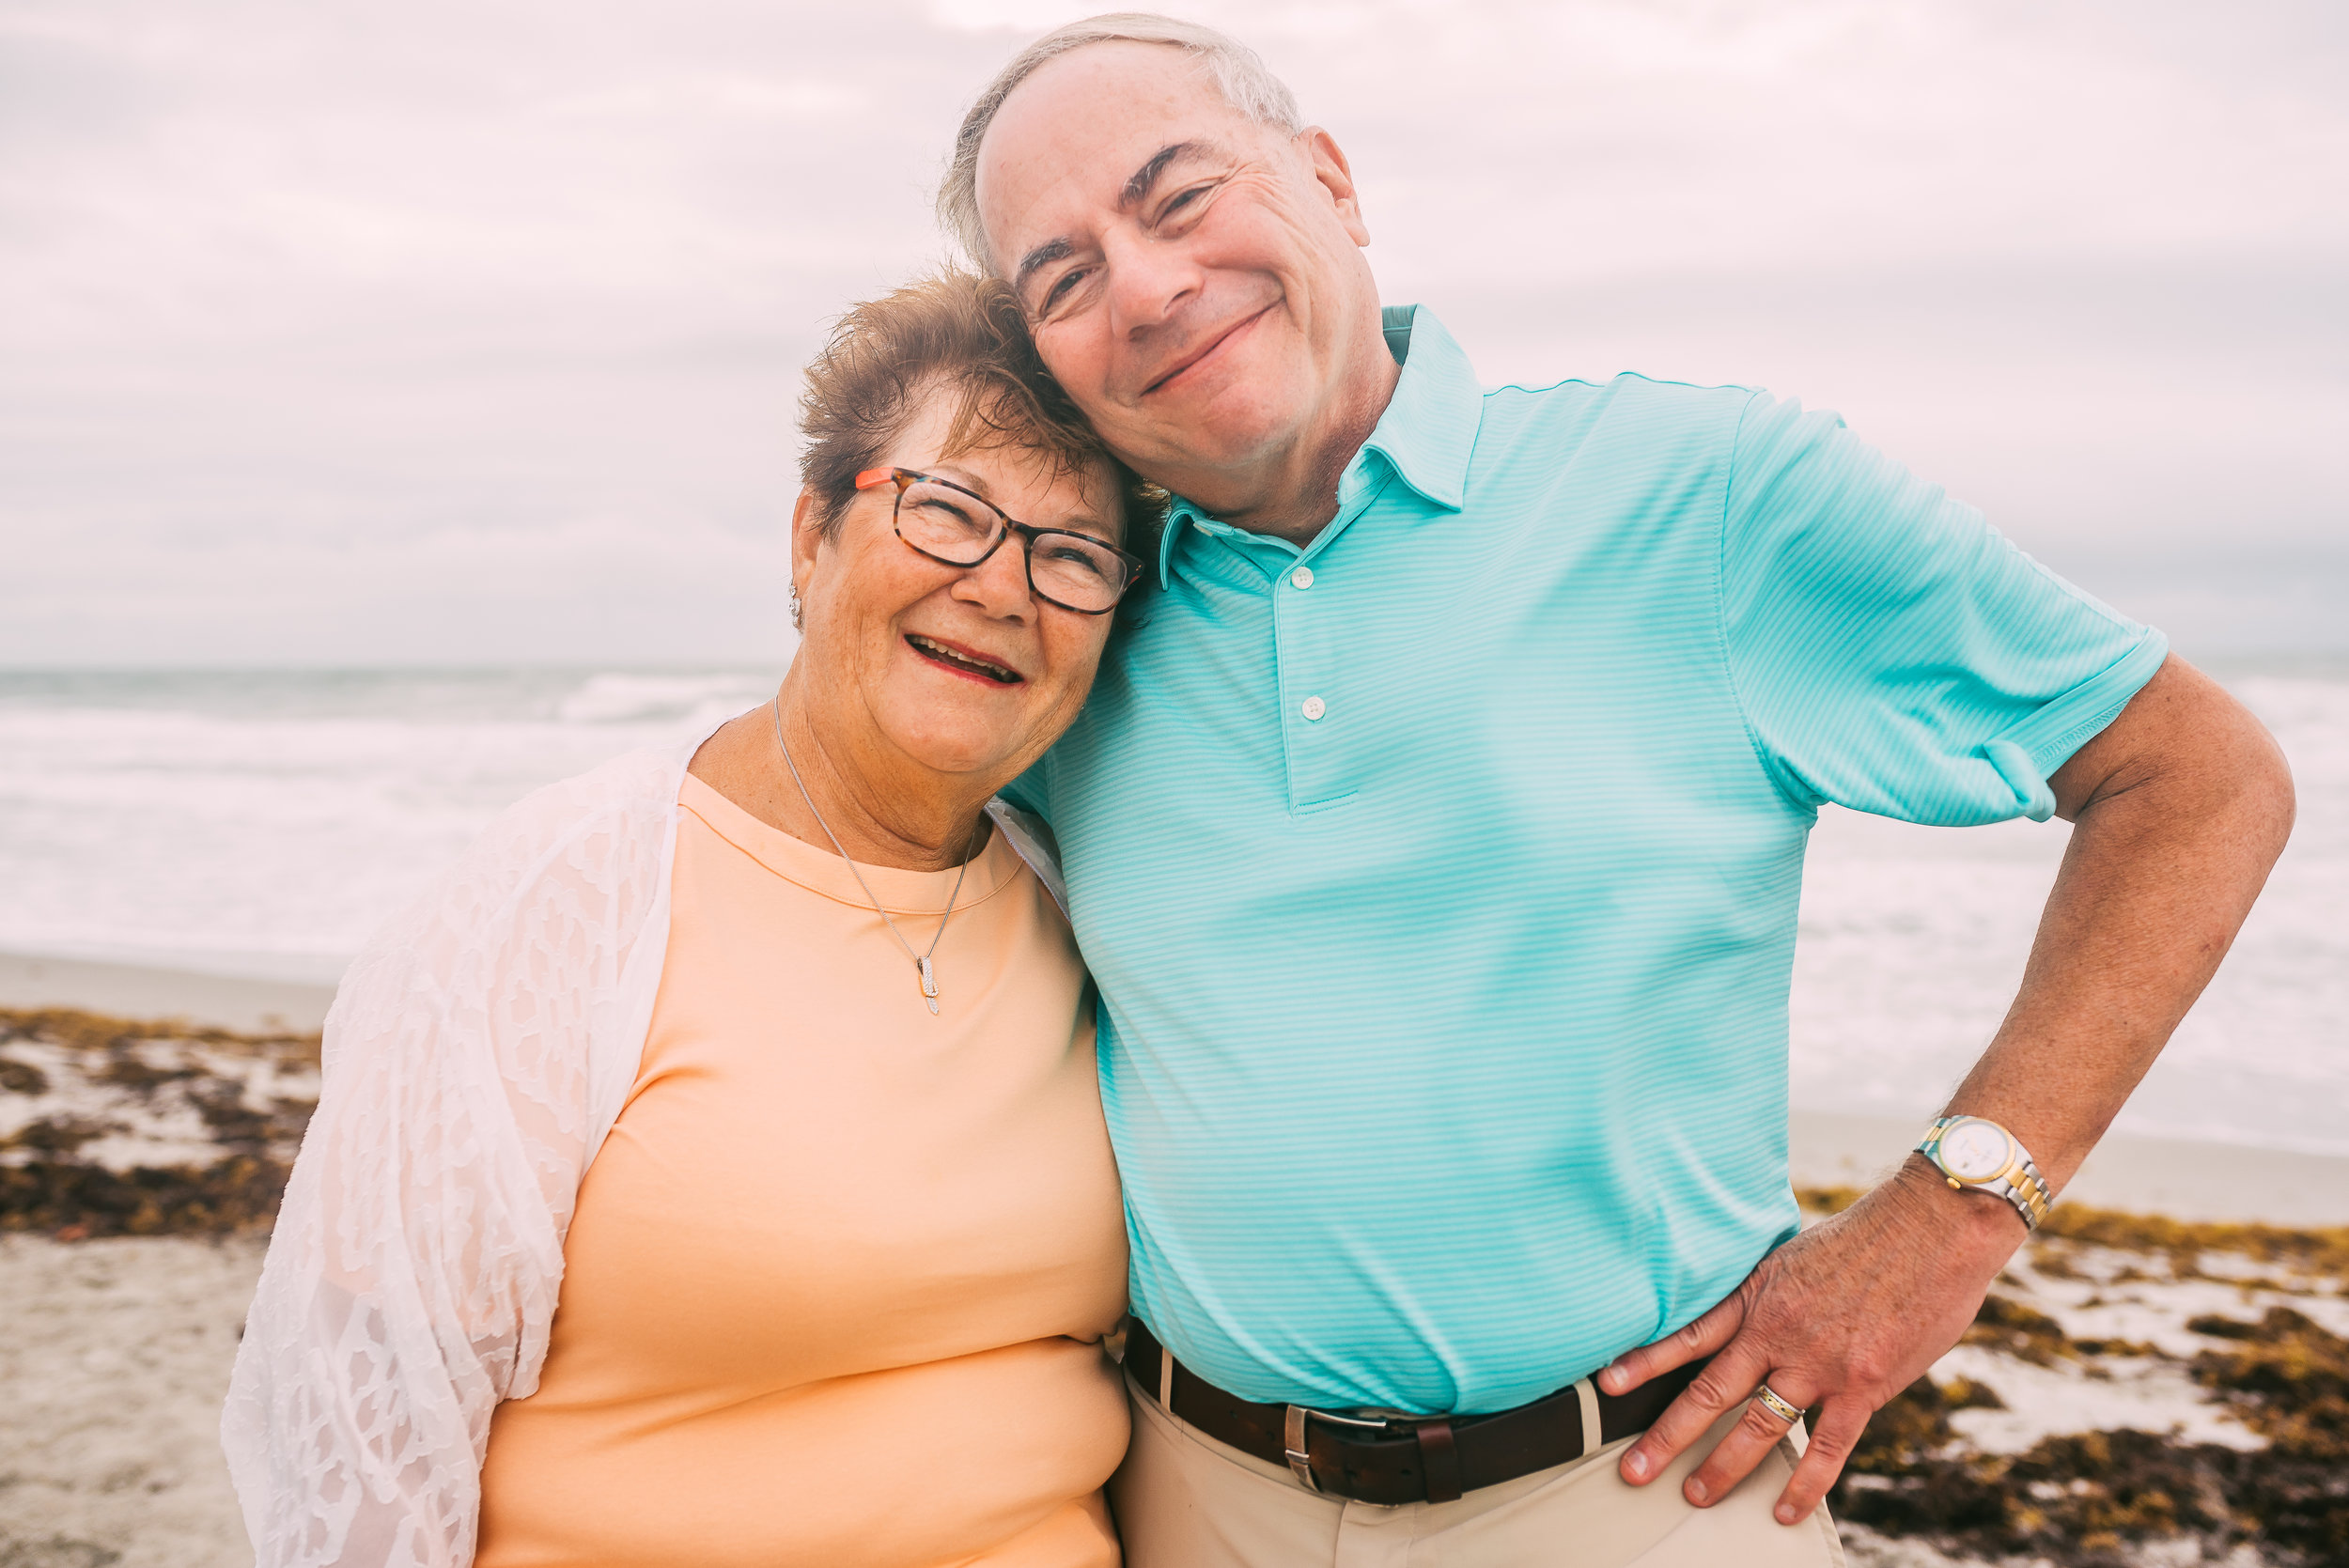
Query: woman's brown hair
<point x="964" y="336"/>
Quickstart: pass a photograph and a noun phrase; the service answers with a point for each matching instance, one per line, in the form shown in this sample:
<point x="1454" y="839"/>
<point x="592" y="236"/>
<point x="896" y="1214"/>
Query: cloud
<point x="303" y="300"/>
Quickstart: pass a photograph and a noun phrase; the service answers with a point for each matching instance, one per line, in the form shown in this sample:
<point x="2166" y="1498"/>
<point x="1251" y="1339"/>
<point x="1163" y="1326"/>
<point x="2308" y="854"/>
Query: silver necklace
<point x="921" y="960"/>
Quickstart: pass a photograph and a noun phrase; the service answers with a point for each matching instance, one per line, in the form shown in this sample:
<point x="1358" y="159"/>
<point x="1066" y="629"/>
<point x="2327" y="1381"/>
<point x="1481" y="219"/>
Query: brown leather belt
<point x="1404" y="1458"/>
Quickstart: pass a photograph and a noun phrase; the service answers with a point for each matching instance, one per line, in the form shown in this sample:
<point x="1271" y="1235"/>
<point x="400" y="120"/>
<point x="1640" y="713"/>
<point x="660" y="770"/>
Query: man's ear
<point x="1336" y="176"/>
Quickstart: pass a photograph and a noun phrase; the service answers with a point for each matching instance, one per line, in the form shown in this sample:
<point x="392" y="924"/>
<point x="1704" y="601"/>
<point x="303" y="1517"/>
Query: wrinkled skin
<point x="1220" y="327"/>
<point x="900" y="750"/>
<point x="1217" y="322"/>
<point x="2178" y="809"/>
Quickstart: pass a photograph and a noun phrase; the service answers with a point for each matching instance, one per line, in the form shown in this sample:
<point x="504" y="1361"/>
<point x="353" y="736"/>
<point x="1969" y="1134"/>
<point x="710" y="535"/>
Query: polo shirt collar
<point x="1429" y="429"/>
<point x="1427" y="434"/>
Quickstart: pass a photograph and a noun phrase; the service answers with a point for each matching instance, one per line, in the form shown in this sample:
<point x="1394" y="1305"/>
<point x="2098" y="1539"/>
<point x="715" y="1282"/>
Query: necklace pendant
<point x="921" y="960"/>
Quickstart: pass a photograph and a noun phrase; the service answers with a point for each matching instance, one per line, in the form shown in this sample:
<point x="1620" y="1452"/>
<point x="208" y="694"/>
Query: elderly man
<point x="1437" y="843"/>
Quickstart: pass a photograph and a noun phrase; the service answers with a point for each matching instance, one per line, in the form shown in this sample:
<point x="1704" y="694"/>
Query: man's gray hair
<point x="1237" y="71"/>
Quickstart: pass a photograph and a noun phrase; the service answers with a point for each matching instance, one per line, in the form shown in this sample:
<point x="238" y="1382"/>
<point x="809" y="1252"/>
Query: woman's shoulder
<point x="616" y="813"/>
<point x="584" y="853"/>
<point x="634" y="783"/>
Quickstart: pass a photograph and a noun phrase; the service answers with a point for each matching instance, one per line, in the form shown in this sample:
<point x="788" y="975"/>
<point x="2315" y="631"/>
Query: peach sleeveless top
<point x="835" y="1285"/>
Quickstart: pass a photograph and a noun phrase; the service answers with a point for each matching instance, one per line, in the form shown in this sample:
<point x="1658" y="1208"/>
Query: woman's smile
<point x="964" y="662"/>
<point x="803" y="992"/>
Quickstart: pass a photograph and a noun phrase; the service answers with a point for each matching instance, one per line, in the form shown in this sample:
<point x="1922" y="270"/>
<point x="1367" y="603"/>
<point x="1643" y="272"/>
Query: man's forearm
<point x="2180" y="806"/>
<point x="2180" y="809"/>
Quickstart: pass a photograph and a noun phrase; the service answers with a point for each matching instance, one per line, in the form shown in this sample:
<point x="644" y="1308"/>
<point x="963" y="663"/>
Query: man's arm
<point x="2180" y="807"/>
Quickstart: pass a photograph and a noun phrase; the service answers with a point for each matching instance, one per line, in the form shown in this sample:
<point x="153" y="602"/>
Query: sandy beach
<point x="2138" y="1389"/>
<point x="30" y="981"/>
<point x="2149" y="1175"/>
<point x="2177" y="1177"/>
<point x="114" y="1361"/>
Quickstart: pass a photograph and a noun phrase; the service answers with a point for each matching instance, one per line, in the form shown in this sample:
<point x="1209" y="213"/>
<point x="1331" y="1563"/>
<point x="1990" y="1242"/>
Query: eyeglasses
<point x="940" y="518"/>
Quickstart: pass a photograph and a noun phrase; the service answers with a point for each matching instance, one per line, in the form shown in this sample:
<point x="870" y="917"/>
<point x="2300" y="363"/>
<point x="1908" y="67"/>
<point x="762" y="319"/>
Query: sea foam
<point x="264" y="824"/>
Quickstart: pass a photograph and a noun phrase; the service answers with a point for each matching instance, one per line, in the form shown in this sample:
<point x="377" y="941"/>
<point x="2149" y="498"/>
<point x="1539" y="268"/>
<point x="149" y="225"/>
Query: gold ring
<point x="1770" y="1400"/>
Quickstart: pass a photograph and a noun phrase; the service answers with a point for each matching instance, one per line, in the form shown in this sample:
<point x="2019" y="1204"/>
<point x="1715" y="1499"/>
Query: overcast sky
<point x="443" y="331"/>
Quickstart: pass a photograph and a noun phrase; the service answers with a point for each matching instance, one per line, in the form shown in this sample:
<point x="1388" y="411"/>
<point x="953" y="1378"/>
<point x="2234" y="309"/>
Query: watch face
<point x="1974" y="1151"/>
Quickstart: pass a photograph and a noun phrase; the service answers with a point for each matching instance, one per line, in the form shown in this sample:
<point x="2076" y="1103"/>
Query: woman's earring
<point x="794" y="591"/>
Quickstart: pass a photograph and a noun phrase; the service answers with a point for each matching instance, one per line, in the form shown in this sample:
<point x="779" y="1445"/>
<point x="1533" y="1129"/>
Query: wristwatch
<point x="1975" y="1153"/>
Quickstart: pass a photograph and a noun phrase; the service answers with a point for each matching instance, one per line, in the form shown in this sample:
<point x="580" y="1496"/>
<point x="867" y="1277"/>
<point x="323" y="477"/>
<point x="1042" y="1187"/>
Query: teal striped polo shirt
<point x="1440" y="876"/>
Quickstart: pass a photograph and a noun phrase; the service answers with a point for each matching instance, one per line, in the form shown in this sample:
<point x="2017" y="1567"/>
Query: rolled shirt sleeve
<point x="1582" y="662"/>
<point x="1894" y="653"/>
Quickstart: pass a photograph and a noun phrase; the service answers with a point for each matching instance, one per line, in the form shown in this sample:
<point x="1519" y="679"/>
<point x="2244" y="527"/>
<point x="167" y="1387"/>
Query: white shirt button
<point x="1302" y="576"/>
<point x="1314" y="708"/>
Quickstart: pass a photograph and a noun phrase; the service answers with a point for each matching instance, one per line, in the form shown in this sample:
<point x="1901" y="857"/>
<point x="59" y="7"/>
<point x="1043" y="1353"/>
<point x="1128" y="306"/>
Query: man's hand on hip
<point x="1841" y="1318"/>
<point x="2178" y="808"/>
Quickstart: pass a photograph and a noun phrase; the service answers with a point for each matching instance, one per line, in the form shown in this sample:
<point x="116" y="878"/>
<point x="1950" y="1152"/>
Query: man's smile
<point x="1200" y="356"/>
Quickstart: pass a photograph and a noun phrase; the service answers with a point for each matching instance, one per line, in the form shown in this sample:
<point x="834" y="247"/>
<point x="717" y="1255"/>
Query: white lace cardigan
<point x="475" y="1056"/>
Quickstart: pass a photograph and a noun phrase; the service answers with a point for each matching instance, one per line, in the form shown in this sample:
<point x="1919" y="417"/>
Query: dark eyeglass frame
<point x="906" y="478"/>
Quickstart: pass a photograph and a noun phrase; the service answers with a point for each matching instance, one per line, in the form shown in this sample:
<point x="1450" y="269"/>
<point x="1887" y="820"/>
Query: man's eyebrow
<point x="1136" y="190"/>
<point x="1043" y="255"/>
<point x="1147" y="176"/>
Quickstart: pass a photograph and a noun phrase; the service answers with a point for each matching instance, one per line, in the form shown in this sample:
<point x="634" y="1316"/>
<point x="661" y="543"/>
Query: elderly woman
<point x="712" y="1169"/>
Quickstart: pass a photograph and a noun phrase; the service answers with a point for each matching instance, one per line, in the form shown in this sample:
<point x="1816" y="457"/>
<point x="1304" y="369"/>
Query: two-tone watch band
<point x="1975" y="1159"/>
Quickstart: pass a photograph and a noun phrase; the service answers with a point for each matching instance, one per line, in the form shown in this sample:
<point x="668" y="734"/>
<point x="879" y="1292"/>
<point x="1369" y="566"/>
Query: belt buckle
<point x="1293" y="1437"/>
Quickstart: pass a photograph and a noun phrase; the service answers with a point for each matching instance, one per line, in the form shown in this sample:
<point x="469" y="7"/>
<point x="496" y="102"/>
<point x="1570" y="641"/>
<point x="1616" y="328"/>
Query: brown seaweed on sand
<point x="113" y="1127"/>
<point x="75" y="1202"/>
<point x="2102" y="1500"/>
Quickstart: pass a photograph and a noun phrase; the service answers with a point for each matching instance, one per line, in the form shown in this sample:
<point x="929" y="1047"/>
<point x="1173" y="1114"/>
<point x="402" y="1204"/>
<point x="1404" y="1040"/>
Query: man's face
<point x="1194" y="280"/>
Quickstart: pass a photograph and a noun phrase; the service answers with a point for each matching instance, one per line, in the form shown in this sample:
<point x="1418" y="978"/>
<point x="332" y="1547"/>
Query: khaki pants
<point x="1185" y="1500"/>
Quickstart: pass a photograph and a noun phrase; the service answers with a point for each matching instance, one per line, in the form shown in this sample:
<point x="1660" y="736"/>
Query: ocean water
<point x="263" y="824"/>
<point x="1914" y="939"/>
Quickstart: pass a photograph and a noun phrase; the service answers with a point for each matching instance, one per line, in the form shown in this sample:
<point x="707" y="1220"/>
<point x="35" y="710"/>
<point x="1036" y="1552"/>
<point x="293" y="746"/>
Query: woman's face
<point x="890" y="636"/>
